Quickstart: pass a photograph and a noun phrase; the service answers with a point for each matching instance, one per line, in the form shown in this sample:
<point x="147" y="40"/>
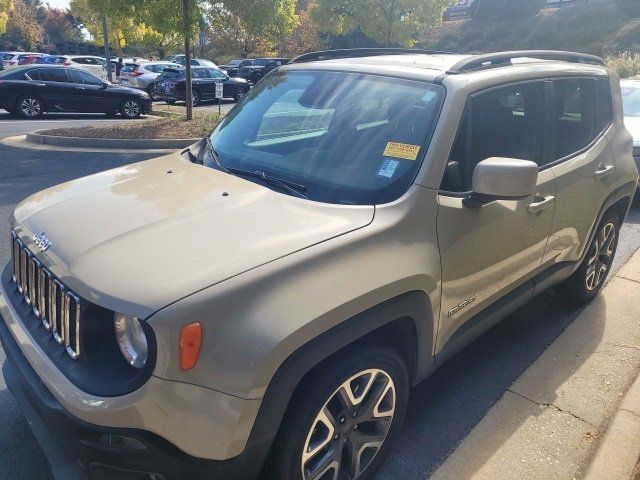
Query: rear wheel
<point x="343" y="421"/>
<point x="587" y="281"/>
<point x="30" y="106"/>
<point x="197" y="98"/>
<point x="131" y="108"/>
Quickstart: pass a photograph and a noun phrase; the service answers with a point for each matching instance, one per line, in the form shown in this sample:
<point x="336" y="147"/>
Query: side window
<point x="32" y="75"/>
<point x="78" y="76"/>
<point x="216" y="74"/>
<point x="574" y="116"/>
<point x="503" y="122"/>
<point x="605" y="104"/>
<point x="199" y="73"/>
<point x="53" y="74"/>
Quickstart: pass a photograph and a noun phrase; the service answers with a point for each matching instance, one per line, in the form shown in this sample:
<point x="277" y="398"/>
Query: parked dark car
<point x="31" y="90"/>
<point x="198" y="62"/>
<point x="260" y="67"/>
<point x="234" y="66"/>
<point x="461" y="10"/>
<point x="171" y="85"/>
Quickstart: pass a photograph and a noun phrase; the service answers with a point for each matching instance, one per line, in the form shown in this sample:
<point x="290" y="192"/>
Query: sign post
<point x="219" y="94"/>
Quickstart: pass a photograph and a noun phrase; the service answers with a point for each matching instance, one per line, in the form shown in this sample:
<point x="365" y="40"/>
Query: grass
<point x="173" y="124"/>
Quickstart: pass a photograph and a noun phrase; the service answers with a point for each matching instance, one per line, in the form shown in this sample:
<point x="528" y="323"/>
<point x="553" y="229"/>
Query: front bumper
<point x="171" y="429"/>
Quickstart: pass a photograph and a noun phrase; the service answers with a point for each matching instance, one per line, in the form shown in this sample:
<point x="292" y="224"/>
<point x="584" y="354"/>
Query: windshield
<point x="631" y="100"/>
<point x="348" y="138"/>
<point x="235" y="62"/>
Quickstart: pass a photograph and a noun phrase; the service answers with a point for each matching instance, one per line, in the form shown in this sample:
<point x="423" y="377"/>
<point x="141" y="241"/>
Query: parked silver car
<point x="263" y="301"/>
<point x="143" y="75"/>
<point x="631" y="105"/>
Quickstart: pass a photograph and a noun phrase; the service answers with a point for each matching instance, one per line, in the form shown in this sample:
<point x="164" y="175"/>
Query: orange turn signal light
<point x="190" y="342"/>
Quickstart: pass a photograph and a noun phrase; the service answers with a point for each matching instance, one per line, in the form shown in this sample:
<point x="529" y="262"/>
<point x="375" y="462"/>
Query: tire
<point x="131" y="108"/>
<point x="241" y="92"/>
<point x="322" y="411"/>
<point x="30" y="107"/>
<point x="197" y="97"/>
<point x="587" y="281"/>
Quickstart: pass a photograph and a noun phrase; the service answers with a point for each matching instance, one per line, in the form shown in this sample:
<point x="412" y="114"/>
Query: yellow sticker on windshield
<point x="402" y="150"/>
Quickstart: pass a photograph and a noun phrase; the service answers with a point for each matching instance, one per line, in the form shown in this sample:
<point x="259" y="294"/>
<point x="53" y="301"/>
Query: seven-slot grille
<point x="57" y="307"/>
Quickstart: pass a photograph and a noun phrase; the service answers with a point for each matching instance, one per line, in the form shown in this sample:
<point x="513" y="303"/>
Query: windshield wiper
<point x="192" y="156"/>
<point x="291" y="187"/>
<point x="215" y="156"/>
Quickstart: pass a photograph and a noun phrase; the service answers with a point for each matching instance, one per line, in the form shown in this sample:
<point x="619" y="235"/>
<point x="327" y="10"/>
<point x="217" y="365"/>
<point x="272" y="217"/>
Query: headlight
<point x="131" y="339"/>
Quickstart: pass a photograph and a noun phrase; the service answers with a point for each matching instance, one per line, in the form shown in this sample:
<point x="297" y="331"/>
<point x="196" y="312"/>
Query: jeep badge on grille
<point x="42" y="241"/>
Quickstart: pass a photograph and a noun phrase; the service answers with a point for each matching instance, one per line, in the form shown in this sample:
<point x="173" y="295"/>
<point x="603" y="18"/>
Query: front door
<point x="88" y="92"/>
<point x="489" y="251"/>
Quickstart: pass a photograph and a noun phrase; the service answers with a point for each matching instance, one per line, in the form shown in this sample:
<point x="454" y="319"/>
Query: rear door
<point x="581" y="161"/>
<point x="57" y="91"/>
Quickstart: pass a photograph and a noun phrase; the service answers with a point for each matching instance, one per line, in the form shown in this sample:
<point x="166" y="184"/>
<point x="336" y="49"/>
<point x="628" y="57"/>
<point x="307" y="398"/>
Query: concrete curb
<point x="115" y="143"/>
<point x="619" y="451"/>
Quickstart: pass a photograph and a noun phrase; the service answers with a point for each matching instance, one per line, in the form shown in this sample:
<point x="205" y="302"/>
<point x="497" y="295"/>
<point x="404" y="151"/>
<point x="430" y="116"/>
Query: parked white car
<point x="143" y="75"/>
<point x="129" y="61"/>
<point x="631" y="105"/>
<point x="11" y="59"/>
<point x="90" y="63"/>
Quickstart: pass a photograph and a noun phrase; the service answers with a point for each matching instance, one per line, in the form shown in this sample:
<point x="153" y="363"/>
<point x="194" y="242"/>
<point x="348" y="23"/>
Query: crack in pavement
<point x="552" y="405"/>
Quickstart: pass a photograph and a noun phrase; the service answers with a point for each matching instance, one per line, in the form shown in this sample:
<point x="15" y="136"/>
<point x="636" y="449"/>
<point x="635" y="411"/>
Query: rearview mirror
<point x="500" y="178"/>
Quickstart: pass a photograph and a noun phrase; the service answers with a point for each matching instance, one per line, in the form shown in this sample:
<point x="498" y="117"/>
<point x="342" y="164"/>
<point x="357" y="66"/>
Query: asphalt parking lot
<point x="442" y="409"/>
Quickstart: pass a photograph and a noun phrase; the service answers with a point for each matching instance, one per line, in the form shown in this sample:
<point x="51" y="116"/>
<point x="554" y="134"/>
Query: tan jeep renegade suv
<point x="262" y="302"/>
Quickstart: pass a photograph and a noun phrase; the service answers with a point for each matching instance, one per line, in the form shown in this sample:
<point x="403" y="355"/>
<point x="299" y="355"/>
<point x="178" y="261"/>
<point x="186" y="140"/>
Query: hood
<point x="132" y="91"/>
<point x="633" y="125"/>
<point x="140" y="237"/>
<point x="239" y="81"/>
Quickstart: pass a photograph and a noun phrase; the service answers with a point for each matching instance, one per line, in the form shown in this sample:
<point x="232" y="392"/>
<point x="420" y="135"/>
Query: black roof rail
<point x="360" y="52"/>
<point x="490" y="60"/>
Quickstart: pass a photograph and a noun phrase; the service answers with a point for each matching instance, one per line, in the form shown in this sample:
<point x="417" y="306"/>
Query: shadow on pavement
<point x="444" y="408"/>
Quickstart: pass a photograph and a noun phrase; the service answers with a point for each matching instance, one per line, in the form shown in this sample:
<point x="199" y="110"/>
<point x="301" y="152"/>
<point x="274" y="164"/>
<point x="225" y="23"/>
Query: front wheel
<point x="344" y="419"/>
<point x="131" y="108"/>
<point x="587" y="281"/>
<point x="241" y="92"/>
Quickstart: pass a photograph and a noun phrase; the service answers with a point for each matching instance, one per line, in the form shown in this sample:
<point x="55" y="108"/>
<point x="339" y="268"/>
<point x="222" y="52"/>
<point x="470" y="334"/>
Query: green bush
<point x="600" y="29"/>
<point x="627" y="65"/>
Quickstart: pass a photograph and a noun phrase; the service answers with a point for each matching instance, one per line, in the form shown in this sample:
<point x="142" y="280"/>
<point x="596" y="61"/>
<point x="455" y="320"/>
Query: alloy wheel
<point x="195" y="96"/>
<point x="30" y="107"/>
<point x="350" y="429"/>
<point x="131" y="108"/>
<point x="239" y="94"/>
<point x="600" y="256"/>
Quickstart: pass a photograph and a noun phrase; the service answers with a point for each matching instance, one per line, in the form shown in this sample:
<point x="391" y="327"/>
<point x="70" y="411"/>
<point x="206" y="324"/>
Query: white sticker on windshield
<point x="388" y="168"/>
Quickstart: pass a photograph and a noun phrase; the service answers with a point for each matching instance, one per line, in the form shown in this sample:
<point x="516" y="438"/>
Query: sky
<point x="63" y="4"/>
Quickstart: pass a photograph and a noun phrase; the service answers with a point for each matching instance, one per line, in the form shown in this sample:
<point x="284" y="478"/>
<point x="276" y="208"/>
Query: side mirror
<point x="499" y="178"/>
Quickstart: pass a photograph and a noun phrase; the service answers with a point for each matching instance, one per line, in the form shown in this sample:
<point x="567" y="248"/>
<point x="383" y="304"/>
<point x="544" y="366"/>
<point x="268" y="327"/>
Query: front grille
<point x="57" y="307"/>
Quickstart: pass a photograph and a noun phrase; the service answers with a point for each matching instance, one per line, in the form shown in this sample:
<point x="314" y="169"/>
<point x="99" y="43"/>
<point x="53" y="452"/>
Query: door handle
<point x="40" y="85"/>
<point x="80" y="88"/>
<point x="603" y="171"/>
<point x="542" y="204"/>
